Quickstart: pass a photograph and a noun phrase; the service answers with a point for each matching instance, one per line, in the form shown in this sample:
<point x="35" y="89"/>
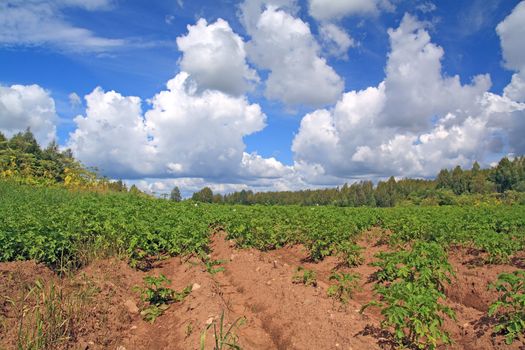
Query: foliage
<point x="351" y="253"/>
<point x="305" y="276"/>
<point x="67" y="229"/>
<point x="416" y="313"/>
<point x="510" y="306"/>
<point x="425" y="263"/>
<point x="346" y="285"/>
<point x="205" y="195"/>
<point x="410" y="286"/>
<point x="158" y="297"/>
<point x="210" y="264"/>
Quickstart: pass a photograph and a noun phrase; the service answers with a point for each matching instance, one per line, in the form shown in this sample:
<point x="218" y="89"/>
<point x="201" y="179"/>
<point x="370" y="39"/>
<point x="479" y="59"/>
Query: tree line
<point x="450" y="186"/>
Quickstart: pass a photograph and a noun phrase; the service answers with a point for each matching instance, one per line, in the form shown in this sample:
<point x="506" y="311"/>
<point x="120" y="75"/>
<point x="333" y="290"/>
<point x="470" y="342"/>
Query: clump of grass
<point x="224" y="338"/>
<point x="47" y="315"/>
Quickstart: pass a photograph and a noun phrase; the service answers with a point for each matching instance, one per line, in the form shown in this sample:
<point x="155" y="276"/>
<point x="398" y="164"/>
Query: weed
<point x="189" y="329"/>
<point x="47" y="315"/>
<point x="510" y="305"/>
<point x="346" y="285"/>
<point x="224" y="338"/>
<point x="305" y="276"/>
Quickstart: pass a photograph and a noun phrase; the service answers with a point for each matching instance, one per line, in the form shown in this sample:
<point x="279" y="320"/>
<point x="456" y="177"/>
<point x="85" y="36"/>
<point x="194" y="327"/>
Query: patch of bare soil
<point x="255" y="287"/>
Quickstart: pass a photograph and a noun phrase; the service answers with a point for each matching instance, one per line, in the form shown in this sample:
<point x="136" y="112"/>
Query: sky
<point x="266" y="94"/>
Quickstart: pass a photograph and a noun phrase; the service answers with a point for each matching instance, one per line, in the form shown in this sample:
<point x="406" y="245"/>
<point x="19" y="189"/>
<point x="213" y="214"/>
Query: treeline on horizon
<point x="504" y="182"/>
<point x="23" y="159"/>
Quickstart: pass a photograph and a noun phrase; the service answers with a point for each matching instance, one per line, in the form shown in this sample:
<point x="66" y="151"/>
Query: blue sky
<point x="131" y="48"/>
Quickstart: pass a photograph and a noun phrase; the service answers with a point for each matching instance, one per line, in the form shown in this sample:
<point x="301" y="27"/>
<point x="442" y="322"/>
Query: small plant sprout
<point x="210" y="264"/>
<point x="510" y="306"/>
<point x="158" y="297"/>
<point x="305" y="276"/>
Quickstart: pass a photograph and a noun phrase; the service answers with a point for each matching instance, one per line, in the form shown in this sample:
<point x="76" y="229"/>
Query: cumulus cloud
<point x="185" y="133"/>
<point x="39" y="22"/>
<point x="284" y="45"/>
<point x="112" y="136"/>
<point x="215" y="57"/>
<point x="511" y="32"/>
<point x="414" y="123"/>
<point x="335" y="9"/>
<point x="23" y="106"/>
<point x="415" y="87"/>
<point x="335" y="40"/>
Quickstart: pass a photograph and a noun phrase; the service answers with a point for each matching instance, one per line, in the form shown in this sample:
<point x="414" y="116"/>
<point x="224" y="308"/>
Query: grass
<point x="48" y="315"/>
<point x="224" y="338"/>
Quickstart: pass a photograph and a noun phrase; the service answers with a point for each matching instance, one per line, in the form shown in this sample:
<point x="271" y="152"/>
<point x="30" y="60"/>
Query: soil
<point x="256" y="290"/>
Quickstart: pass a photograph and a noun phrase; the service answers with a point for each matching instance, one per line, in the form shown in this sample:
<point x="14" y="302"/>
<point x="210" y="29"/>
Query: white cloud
<point x="250" y="11"/>
<point x="511" y="32"/>
<point x="285" y="46"/>
<point x="200" y="134"/>
<point x="112" y="135"/>
<point x="335" y="40"/>
<point x="39" y="22"/>
<point x="426" y="7"/>
<point x="74" y="100"/>
<point x="186" y="133"/>
<point x="255" y="166"/>
<point x="335" y="9"/>
<point x="23" y="106"/>
<point x="414" y="123"/>
<point x="516" y="88"/>
<point x="415" y="88"/>
<point x="215" y="57"/>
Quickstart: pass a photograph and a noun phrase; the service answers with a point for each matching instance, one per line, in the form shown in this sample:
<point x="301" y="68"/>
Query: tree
<point x="205" y="195"/>
<point x="444" y="179"/>
<point x="175" y="195"/>
<point x="25" y="142"/>
<point x="505" y="175"/>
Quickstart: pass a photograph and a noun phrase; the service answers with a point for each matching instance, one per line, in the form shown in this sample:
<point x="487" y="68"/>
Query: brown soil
<point x="256" y="286"/>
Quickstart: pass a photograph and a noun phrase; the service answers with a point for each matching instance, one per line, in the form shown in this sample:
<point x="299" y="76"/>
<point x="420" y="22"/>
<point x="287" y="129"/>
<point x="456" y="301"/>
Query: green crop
<point x="510" y="306"/>
<point x="410" y="286"/>
<point x="67" y="230"/>
<point x="305" y="276"/>
<point x="346" y="285"/>
<point x="157" y="297"/>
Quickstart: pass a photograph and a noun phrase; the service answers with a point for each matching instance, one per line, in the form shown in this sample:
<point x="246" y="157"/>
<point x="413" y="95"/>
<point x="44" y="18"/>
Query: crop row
<point x="56" y="226"/>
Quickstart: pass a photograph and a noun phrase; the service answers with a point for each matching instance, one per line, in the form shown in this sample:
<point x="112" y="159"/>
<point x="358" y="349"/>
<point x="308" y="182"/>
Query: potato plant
<point x="305" y="276"/>
<point x="157" y="297"/>
<point x="410" y="286"/>
<point x="345" y="286"/>
<point x="510" y="306"/>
